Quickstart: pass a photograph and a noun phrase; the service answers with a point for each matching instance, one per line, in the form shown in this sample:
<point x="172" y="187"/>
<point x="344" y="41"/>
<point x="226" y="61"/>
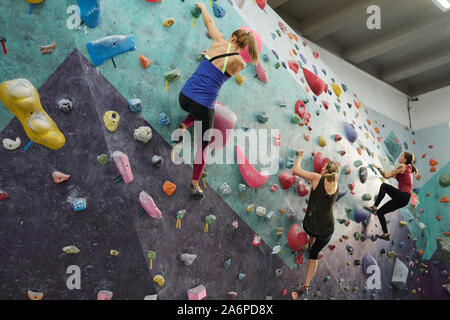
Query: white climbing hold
<point x="143" y="134"/>
<point x="151" y="297"/>
<point x="188" y="259"/>
<point x="71" y="250"/>
<point x="400" y="274"/>
<point x="276" y="249"/>
<point x="9" y="144"/>
<point x="225" y="189"/>
<point x="261" y="211"/>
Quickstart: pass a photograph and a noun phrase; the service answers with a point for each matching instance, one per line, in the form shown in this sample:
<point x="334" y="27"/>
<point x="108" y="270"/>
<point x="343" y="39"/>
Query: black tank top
<point x="319" y="219"/>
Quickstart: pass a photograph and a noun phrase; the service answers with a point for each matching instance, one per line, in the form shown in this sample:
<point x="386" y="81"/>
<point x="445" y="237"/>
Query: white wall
<point x="375" y="93"/>
<point x="433" y="108"/>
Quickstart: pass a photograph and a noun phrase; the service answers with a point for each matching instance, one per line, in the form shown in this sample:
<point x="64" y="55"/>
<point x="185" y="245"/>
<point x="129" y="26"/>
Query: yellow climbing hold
<point x="337" y="89"/>
<point x="114" y="252"/>
<point x="240" y="79"/>
<point x="34" y="1"/>
<point x="112" y="120"/>
<point x="159" y="279"/>
<point x="250" y="208"/>
<point x="322" y="142"/>
<point x="21" y="98"/>
<point x="403" y="223"/>
<point x="168" y="22"/>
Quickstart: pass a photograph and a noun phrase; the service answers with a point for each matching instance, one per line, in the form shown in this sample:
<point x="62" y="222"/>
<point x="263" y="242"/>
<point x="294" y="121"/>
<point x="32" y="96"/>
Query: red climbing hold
<point x="432" y="169"/>
<point x="433" y="162"/>
<point x="256" y="240"/>
<point x="326" y="105"/>
<point x="445" y="199"/>
<point x="351" y="186"/>
<point x="315" y="83"/>
<point x="261" y="3"/>
<point x="316" y="55"/>
<point x="337" y="137"/>
<point x="332" y="247"/>
<point x="424" y="155"/>
<point x="319" y="162"/>
<point x="293" y="65"/>
<point x="287" y="179"/>
<point x="300" y="109"/>
<point x="430" y="146"/>
<point x="302" y="188"/>
<point x="297" y="238"/>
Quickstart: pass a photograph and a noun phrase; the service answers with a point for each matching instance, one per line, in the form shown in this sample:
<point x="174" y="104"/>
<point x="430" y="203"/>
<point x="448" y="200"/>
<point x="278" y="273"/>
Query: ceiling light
<point x="444" y="5"/>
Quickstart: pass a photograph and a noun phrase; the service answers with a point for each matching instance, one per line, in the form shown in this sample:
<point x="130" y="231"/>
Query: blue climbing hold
<point x="342" y="192"/>
<point x="349" y="132"/>
<point x="164" y="119"/>
<point x="135" y="105"/>
<point x="361" y="214"/>
<point x="275" y="54"/>
<point x="110" y="47"/>
<point x="90" y="12"/>
<point x="218" y="10"/>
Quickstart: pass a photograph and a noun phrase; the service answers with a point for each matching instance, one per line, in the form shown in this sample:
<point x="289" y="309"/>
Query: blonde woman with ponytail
<point x="399" y="197"/>
<point x="319" y="219"/>
<point x="198" y="96"/>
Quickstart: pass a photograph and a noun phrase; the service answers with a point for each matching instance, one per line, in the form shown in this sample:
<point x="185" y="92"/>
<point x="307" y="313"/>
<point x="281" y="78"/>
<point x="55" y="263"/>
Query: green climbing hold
<point x="348" y="211"/>
<point x="210" y="219"/>
<point x="173" y="75"/>
<point x="277" y="65"/>
<point x="180" y="213"/>
<point x="444" y="180"/>
<point x="366" y="197"/>
<point x="358" y="163"/>
<point x="357" y="236"/>
<point x="279" y="33"/>
<point x="327" y="278"/>
<point x="295" y="119"/>
<point x="338" y="107"/>
<point x="102" y="159"/>
<point x="196" y="12"/>
<point x="262" y="117"/>
<point x="151" y="255"/>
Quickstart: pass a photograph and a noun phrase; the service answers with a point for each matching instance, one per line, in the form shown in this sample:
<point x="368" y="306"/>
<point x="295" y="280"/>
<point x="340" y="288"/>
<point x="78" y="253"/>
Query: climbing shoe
<point x="303" y="290"/>
<point x="196" y="194"/>
<point x="371" y="210"/>
<point x="382" y="236"/>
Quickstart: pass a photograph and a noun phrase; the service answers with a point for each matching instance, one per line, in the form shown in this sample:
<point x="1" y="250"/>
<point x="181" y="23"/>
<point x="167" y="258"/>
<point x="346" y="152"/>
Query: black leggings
<point x="206" y="116"/>
<point x="319" y="243"/>
<point x="399" y="199"/>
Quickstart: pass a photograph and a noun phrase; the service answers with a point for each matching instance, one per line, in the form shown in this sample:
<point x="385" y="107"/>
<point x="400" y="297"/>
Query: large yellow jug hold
<point x="34" y="1"/>
<point x="21" y="98"/>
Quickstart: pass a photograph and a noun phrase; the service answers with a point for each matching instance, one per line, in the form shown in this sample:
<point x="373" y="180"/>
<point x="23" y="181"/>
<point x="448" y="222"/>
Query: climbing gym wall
<point x="292" y="91"/>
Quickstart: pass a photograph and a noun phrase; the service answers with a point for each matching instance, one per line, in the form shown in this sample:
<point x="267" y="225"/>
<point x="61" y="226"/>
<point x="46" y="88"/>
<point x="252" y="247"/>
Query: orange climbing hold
<point x="447" y="234"/>
<point x="427" y="195"/>
<point x="294" y="295"/>
<point x="377" y="130"/>
<point x="169" y="188"/>
<point x="358" y="105"/>
<point x="424" y="155"/>
<point x="445" y="199"/>
<point x="418" y="176"/>
<point x="433" y="162"/>
<point x="369" y="122"/>
<point x="438" y="217"/>
<point x="359" y="151"/>
<point x="432" y="169"/>
<point x="430" y="146"/>
<point x="144" y="61"/>
<point x="421" y="252"/>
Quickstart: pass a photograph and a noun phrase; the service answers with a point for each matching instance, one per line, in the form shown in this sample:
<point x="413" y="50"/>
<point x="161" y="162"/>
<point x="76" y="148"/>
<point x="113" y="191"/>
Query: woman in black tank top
<point x="319" y="220"/>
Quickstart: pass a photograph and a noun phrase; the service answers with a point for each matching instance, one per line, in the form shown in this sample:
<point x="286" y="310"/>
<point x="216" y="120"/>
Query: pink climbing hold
<point x="261" y="72"/>
<point x="59" y="177"/>
<point x="224" y="121"/>
<point x="274" y="188"/>
<point x="123" y="165"/>
<point x="302" y="189"/>
<point x="287" y="179"/>
<point x="197" y="293"/>
<point x="293" y="65"/>
<point x="300" y="109"/>
<point x="244" y="53"/>
<point x="315" y="83"/>
<point x="319" y="162"/>
<point x="277" y="140"/>
<point x="252" y="177"/>
<point x="261" y="3"/>
<point x="297" y="238"/>
<point x="104" y="295"/>
<point x="149" y="205"/>
<point x="282" y="26"/>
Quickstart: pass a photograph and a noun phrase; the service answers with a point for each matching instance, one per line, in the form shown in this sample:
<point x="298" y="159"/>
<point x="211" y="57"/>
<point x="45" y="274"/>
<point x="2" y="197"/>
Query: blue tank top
<point x="204" y="85"/>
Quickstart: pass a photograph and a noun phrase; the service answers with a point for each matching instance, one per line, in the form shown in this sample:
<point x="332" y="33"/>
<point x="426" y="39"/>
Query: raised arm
<point x="209" y="23"/>
<point x="390" y="174"/>
<point x="311" y="176"/>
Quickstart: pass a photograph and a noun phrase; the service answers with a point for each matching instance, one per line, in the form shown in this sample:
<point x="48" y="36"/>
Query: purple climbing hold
<point x="350" y="132"/>
<point x="342" y="192"/>
<point x="284" y="64"/>
<point x="361" y="214"/>
<point x="315" y="70"/>
<point x="303" y="58"/>
<point x="275" y="54"/>
<point x="406" y="145"/>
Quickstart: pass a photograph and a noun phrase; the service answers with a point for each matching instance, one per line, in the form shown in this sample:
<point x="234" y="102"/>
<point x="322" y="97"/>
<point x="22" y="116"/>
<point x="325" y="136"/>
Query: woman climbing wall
<point x="319" y="219"/>
<point x="199" y="94"/>
<point x="399" y="197"/>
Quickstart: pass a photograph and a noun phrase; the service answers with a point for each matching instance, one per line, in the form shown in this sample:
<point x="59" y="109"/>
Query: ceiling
<point x="411" y="51"/>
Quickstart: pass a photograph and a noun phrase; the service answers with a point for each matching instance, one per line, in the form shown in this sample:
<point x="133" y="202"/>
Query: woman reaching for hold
<point x="198" y="96"/>
<point x="399" y="197"/>
<point x="319" y="219"/>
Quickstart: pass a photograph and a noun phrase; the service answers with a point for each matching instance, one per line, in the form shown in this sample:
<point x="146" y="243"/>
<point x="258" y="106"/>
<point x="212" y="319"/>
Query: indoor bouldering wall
<point x="340" y="127"/>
